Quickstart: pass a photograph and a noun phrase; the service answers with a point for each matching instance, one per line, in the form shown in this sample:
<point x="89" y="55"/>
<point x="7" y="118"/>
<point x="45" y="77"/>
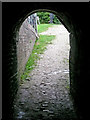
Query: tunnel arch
<point x="44" y="10"/>
<point x="78" y="31"/>
<point x="61" y="16"/>
<point x="63" y="19"/>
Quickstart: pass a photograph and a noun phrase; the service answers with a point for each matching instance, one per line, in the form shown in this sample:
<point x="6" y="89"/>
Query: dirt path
<point x="45" y="95"/>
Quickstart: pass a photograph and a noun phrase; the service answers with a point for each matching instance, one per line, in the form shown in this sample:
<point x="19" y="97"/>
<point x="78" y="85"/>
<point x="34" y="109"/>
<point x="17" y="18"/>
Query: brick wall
<point x="18" y="45"/>
<point x="27" y="37"/>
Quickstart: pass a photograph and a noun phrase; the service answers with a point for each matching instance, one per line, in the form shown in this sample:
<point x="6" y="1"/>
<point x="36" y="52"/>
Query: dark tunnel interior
<point x="75" y="17"/>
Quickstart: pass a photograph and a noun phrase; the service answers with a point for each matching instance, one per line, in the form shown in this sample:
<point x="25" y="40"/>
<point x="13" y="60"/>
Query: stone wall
<point x="27" y="37"/>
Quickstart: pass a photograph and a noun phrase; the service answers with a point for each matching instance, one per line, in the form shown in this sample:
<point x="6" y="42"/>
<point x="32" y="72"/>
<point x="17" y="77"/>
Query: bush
<point x="56" y="20"/>
<point x="44" y="18"/>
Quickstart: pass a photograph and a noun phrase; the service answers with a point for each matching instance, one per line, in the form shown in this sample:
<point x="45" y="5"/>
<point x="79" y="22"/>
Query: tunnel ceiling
<point x="66" y="11"/>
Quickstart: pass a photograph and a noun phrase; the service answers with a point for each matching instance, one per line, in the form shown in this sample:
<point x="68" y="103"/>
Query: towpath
<point x="45" y="95"/>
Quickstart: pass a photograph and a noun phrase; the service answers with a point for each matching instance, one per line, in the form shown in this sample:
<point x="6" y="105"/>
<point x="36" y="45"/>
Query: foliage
<point x="39" y="48"/>
<point x="44" y="18"/>
<point x="56" y="20"/>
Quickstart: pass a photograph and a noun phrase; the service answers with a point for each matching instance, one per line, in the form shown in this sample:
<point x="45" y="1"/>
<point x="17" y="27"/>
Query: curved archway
<point x="63" y="17"/>
<point x="77" y="54"/>
<point x="42" y="10"/>
<point x="60" y="16"/>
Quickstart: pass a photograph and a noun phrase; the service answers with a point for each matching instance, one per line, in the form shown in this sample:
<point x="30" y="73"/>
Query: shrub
<point x="44" y="18"/>
<point x="56" y="20"/>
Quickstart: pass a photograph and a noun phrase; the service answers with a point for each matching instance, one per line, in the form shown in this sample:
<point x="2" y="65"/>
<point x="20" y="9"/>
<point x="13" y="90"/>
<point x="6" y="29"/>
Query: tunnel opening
<point x="22" y="35"/>
<point x="43" y="106"/>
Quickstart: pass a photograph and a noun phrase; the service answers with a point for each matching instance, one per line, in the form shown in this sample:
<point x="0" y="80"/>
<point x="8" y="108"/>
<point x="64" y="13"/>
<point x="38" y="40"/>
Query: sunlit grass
<point x="39" y="48"/>
<point x="43" y="27"/>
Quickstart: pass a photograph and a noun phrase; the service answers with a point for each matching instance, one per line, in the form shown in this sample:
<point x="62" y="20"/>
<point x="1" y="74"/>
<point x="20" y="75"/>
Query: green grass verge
<point x="43" y="27"/>
<point x="39" y="48"/>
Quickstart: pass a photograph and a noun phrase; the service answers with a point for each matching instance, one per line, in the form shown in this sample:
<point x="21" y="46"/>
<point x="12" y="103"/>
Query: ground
<point x="45" y="94"/>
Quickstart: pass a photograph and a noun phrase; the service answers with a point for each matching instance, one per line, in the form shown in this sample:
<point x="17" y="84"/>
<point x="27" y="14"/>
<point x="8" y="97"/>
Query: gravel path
<point x="45" y="95"/>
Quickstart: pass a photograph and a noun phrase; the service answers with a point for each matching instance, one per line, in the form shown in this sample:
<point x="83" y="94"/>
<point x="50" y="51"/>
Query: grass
<point x="43" y="27"/>
<point x="39" y="48"/>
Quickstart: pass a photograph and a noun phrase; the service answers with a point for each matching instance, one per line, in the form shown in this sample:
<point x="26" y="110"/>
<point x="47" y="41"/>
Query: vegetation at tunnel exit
<point x="43" y="27"/>
<point x="44" y="18"/>
<point x="39" y="48"/>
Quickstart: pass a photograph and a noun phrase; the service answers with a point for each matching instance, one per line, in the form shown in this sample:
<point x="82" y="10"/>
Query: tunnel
<point x="76" y="19"/>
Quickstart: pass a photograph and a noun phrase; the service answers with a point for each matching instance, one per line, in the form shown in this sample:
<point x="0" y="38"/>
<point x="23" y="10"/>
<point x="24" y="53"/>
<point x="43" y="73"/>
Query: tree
<point x="46" y="18"/>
